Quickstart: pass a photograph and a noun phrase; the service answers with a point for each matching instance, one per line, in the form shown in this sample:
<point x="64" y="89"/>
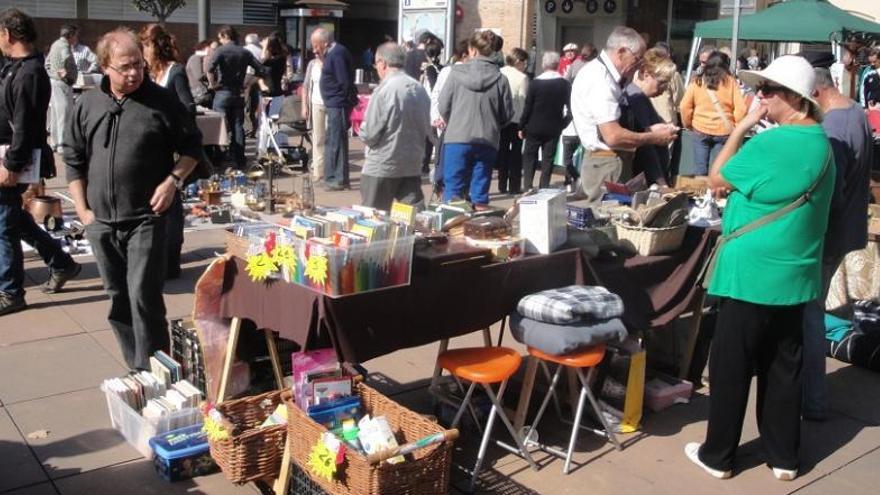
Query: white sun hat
<point x="790" y="71"/>
<point x="571" y="47"/>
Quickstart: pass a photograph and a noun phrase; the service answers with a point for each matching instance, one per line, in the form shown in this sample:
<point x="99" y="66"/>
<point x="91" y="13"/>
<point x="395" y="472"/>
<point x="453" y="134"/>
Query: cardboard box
<point x="697" y="185"/>
<point x="543" y="220"/>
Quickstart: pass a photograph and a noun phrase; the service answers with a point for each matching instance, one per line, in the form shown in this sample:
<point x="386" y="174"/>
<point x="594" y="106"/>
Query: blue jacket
<point x="337" y="78"/>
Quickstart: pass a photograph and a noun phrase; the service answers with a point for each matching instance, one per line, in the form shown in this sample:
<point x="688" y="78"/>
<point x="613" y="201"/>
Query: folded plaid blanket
<point x="571" y="304"/>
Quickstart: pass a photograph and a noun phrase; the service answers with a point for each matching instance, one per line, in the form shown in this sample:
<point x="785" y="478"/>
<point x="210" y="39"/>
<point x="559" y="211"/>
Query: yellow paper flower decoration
<point x="213" y="430"/>
<point x="284" y="257"/>
<point x="316" y="269"/>
<point x="260" y="266"/>
<point x="322" y="461"/>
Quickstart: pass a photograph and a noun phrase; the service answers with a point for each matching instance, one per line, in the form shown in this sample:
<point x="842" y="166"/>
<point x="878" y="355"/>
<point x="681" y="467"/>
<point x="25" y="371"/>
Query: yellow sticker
<point x="213" y="430"/>
<point x="322" y="461"/>
<point x="260" y="266"/>
<point x="284" y="257"/>
<point x="316" y="269"/>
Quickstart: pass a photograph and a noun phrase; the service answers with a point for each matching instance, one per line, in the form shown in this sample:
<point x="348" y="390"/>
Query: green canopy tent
<point x="790" y="21"/>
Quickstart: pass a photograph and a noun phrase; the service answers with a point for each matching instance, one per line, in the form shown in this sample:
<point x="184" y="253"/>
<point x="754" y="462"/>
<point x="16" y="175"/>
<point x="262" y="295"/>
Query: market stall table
<point x="213" y="127"/>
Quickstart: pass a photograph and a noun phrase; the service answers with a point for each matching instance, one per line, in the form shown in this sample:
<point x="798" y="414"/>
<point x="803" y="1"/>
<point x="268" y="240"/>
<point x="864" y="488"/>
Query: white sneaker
<point x="692" y="451"/>
<point x="785" y="474"/>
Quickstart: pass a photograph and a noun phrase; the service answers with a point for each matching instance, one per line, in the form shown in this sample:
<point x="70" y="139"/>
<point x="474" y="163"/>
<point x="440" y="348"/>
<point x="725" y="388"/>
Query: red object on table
<point x="358" y="112"/>
<point x="874" y="120"/>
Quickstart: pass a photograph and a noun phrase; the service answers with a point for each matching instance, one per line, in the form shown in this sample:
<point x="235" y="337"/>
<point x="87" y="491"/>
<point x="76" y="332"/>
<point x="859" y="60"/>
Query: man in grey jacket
<point x="395" y="128"/>
<point x="61" y="66"/>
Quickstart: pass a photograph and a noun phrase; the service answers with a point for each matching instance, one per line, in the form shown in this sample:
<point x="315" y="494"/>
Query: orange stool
<point x="587" y="358"/>
<point x="485" y="366"/>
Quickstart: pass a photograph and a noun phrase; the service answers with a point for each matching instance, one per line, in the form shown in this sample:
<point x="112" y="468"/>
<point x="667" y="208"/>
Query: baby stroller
<point x="275" y="140"/>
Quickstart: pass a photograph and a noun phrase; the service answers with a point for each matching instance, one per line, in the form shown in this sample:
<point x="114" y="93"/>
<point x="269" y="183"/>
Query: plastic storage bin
<point x="182" y="454"/>
<point x="138" y="430"/>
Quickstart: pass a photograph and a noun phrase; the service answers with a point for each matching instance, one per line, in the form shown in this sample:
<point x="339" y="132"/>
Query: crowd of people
<point x="789" y="146"/>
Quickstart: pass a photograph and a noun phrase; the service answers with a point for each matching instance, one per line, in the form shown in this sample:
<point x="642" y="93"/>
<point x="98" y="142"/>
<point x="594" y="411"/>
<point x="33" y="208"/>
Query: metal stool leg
<point x="585" y="388"/>
<point x="484" y="443"/>
<point x="470" y="406"/>
<point x="553" y="390"/>
<point x="496" y="402"/>
<point x="544" y="403"/>
<point x="464" y="404"/>
<point x="574" y="430"/>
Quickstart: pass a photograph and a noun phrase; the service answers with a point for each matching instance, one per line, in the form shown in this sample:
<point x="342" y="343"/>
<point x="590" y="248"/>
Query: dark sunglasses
<point x="770" y="89"/>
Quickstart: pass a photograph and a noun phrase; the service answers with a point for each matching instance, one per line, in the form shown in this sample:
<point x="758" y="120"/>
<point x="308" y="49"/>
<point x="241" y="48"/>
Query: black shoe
<point x="58" y="278"/>
<point x="11" y="304"/>
<point x="333" y="187"/>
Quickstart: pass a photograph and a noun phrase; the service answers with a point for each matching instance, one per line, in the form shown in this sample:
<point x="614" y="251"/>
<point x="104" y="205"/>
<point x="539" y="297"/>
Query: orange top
<point x="481" y="364"/>
<point x="698" y="112"/>
<point x="585" y="358"/>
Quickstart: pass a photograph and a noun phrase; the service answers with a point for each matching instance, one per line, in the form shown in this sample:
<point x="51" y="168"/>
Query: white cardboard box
<point x="542" y="220"/>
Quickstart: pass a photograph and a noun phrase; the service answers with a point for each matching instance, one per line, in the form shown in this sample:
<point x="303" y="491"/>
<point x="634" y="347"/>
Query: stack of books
<point x="182" y="395"/>
<point x="136" y="389"/>
<point x="187" y="350"/>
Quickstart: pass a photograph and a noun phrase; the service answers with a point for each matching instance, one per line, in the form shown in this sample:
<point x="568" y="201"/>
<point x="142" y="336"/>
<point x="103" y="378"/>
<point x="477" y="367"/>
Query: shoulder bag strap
<point x="717" y="104"/>
<point x="803" y="198"/>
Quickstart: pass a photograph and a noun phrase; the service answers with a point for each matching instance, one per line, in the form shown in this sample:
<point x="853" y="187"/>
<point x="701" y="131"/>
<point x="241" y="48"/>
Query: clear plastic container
<point x="138" y="430"/>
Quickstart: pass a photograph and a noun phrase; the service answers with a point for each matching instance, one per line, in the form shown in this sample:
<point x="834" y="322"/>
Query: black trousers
<point x="174" y="224"/>
<point x="530" y="156"/>
<point x="510" y="160"/>
<point x="767" y="340"/>
<point x="131" y="259"/>
<point x="569" y="146"/>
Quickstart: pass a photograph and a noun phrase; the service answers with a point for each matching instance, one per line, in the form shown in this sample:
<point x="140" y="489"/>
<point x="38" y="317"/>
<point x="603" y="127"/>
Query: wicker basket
<point x="425" y="472"/>
<point x="648" y="240"/>
<point x="256" y="453"/>
<point x="237" y="245"/>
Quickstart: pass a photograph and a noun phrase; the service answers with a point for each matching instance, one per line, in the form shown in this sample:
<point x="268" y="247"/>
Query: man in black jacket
<point x="226" y="74"/>
<point x="24" y="100"/>
<point x="119" y="152"/>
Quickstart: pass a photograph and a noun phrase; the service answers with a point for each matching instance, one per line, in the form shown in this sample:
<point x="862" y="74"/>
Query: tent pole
<point x="734" y="40"/>
<point x="670" y="5"/>
<point x="690" y="66"/>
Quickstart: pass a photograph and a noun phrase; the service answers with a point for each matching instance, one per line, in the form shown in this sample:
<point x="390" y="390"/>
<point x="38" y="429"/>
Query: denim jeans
<point x="17" y="225"/>
<point x="815" y="346"/>
<point x="336" y="147"/>
<point x="131" y="259"/>
<point x="706" y="148"/>
<point x="232" y="106"/>
<point x="464" y="164"/>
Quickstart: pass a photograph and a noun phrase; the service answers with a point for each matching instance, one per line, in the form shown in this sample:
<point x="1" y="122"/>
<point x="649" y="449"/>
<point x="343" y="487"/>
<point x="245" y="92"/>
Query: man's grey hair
<point x="624" y="37"/>
<point x="823" y="79"/>
<point x="708" y="49"/>
<point x="393" y="54"/>
<point x="252" y="39"/>
<point x="323" y="35"/>
<point x="550" y="61"/>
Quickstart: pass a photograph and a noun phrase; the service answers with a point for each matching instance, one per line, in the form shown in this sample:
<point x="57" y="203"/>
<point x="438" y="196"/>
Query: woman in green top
<point x="764" y="277"/>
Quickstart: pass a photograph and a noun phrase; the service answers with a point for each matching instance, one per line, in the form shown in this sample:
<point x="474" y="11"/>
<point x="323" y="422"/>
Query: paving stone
<point x="19" y="467"/>
<point x="80" y="438"/>
<point x="47" y="367"/>
<point x="40" y="489"/>
<point x="41" y="320"/>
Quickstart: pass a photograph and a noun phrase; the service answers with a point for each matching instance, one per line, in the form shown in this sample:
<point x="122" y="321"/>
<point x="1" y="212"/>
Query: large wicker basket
<point x="649" y="240"/>
<point x="256" y="452"/>
<point x="425" y="472"/>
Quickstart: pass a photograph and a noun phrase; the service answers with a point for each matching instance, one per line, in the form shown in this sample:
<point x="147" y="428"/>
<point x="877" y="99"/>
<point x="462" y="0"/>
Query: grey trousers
<point x="380" y="192"/>
<point x="815" y="346"/>
<point x="131" y="259"/>
<point x="596" y="170"/>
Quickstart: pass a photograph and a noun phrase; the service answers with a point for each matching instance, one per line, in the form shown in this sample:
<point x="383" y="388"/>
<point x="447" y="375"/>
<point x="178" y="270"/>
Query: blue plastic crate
<point x="182" y="454"/>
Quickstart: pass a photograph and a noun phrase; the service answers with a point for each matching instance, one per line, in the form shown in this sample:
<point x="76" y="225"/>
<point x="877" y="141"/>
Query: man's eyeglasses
<point x="770" y="89"/>
<point x="127" y="68"/>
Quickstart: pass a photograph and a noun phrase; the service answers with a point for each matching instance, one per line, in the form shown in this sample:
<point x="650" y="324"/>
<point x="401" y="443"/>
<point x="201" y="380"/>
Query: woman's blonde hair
<point x="656" y="63"/>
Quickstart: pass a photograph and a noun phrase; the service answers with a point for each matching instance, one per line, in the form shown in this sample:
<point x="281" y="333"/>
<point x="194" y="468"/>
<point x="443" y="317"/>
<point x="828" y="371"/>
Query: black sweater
<point x="25" y="101"/>
<point x="543" y="113"/>
<point x="179" y="85"/>
<point x="125" y="149"/>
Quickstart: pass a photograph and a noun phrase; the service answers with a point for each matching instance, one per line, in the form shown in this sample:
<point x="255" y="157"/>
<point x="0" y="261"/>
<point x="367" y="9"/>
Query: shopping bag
<point x="558" y="158"/>
<point x="622" y="384"/>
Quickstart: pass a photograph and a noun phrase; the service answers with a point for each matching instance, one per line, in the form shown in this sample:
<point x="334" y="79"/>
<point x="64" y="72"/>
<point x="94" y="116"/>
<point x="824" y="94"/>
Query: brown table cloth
<point x="459" y="299"/>
<point x="656" y="289"/>
<point x="446" y="304"/>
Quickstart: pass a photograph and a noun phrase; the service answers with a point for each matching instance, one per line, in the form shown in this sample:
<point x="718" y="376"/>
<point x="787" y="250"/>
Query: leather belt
<point x="603" y="153"/>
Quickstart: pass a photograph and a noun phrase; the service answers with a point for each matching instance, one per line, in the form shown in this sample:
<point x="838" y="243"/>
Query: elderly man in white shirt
<point x="595" y="102"/>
